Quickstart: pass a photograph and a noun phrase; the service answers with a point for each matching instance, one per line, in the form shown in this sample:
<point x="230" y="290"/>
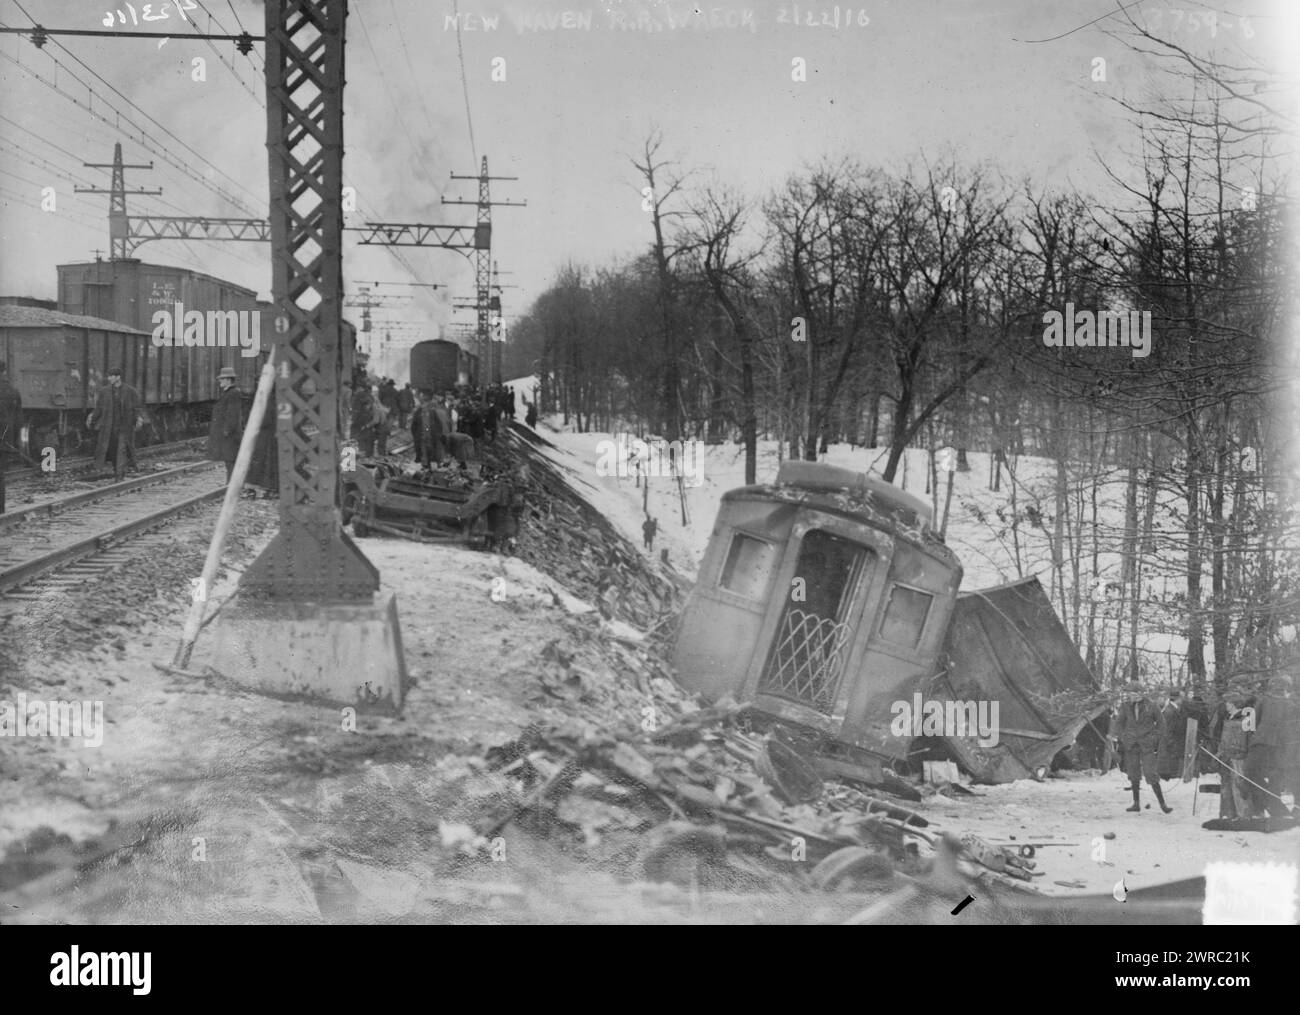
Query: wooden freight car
<point x="57" y="361"/>
<point x="438" y="366"/>
<point x="180" y="380"/>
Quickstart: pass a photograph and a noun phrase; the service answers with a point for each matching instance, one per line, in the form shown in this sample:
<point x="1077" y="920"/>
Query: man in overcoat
<point x="117" y="416"/>
<point x="227" y="427"/>
<point x="1273" y="759"/>
<point x="11" y="424"/>
<point x="1139" y="728"/>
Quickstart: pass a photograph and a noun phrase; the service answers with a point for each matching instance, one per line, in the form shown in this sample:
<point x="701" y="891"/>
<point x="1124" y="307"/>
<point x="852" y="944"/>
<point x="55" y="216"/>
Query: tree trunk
<point x="1195" y="631"/>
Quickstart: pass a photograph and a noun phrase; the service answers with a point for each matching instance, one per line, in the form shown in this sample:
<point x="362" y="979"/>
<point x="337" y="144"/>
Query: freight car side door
<point x="37" y="369"/>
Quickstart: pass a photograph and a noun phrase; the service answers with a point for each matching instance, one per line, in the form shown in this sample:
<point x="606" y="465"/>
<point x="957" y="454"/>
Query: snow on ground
<point x="1148" y="848"/>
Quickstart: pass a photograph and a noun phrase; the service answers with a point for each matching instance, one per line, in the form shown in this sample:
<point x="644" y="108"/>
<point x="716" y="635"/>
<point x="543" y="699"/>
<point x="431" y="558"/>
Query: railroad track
<point x="81" y="463"/>
<point x="63" y="542"/>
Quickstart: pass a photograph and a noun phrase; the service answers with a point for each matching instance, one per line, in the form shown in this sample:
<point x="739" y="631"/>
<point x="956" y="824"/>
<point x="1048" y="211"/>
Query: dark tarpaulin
<point x="1006" y="644"/>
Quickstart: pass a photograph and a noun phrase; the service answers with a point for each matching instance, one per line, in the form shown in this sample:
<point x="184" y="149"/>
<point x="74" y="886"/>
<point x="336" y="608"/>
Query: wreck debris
<point x="703" y="797"/>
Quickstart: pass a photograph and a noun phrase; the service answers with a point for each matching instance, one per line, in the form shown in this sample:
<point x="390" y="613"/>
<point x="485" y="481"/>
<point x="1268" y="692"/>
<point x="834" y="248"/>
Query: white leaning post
<point x="228" y="506"/>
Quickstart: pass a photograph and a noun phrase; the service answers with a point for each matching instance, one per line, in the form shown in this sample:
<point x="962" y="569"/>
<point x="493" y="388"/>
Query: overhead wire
<point x="171" y="134"/>
<point x="464" y="83"/>
<point x="212" y="46"/>
<point x="144" y="137"/>
<point x="193" y="255"/>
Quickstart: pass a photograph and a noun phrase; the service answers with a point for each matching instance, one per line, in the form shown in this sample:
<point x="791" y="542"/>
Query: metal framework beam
<point x="143" y="228"/>
<point x="415" y="234"/>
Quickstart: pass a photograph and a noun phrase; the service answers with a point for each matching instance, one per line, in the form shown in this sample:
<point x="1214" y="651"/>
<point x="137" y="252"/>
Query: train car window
<point x="905" y="616"/>
<point x="748" y="567"/>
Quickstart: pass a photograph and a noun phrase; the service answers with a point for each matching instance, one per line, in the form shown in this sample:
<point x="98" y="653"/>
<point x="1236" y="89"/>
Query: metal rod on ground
<point x="1242" y="776"/>
<point x="233" y="489"/>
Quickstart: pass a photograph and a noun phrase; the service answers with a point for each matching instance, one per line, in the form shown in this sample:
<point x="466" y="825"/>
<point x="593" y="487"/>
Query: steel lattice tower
<point x="310" y="558"/>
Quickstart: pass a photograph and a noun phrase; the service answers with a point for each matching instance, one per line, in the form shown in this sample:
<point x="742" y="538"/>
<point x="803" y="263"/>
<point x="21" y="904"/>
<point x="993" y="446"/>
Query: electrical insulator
<point x="244" y="43"/>
<point x="38" y="36"/>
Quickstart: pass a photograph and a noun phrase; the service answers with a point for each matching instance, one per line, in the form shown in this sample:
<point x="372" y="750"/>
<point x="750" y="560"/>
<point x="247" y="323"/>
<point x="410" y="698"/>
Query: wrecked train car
<point x="1006" y="644"/>
<point x="825" y="599"/>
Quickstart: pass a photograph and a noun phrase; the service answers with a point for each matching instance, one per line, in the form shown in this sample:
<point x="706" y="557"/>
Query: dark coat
<point x="227" y="426"/>
<point x="1139" y="725"/>
<point x="1232" y="738"/>
<point x="11" y="414"/>
<point x="116" y="412"/>
<point x="363" y="411"/>
<point x="1170" y="762"/>
<point x="428" y="432"/>
<point x="405" y="400"/>
<point x="264" y="469"/>
<point x="1278" y="728"/>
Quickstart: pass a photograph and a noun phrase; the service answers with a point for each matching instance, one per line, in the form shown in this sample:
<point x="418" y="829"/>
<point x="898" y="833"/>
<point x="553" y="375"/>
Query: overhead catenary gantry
<point x="476" y="238"/>
<point x="127" y="232"/>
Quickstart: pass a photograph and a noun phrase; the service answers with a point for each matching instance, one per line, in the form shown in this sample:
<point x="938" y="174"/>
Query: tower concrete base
<point x="348" y="654"/>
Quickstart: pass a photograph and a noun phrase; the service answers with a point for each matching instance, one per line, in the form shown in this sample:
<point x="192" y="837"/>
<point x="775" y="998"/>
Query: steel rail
<point x="55" y="560"/>
<point x="58" y="504"/>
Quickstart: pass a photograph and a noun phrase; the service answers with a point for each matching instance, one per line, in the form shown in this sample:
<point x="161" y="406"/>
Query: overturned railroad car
<point x="827" y="601"/>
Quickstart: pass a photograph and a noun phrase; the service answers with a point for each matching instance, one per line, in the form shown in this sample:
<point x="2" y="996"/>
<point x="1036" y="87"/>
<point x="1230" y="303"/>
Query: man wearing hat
<point x="227" y="422"/>
<point x="1273" y="760"/>
<point x="116" y="417"/>
<point x="1169" y="763"/>
<point x="1140" y="726"/>
<point x="11" y="424"/>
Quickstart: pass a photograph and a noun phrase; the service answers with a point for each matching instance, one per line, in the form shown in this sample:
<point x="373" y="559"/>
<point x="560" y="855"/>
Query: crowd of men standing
<point x="442" y="425"/>
<point x="1252" y="739"/>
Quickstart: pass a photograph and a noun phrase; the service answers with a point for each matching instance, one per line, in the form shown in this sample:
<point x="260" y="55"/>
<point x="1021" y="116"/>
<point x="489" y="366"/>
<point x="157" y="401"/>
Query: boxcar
<point x="439" y="365"/>
<point x="177" y="382"/>
<point x="58" y="360"/>
<point x="105" y="316"/>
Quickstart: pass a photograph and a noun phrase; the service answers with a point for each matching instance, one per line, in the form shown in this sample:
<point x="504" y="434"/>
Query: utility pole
<point x="496" y="333"/>
<point x="483" y="265"/>
<point x="119" y="246"/>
